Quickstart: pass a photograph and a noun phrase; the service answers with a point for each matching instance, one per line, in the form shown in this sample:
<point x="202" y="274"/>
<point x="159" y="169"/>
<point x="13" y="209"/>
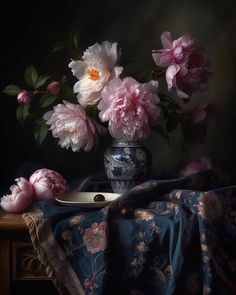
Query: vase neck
<point x="118" y="142"/>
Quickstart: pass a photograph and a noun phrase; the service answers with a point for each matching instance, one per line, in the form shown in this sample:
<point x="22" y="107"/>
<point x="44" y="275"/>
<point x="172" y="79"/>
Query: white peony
<point x="94" y="72"/>
<point x="70" y="123"/>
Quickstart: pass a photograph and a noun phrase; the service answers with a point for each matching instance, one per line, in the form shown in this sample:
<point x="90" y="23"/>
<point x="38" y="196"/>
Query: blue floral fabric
<point x="180" y="240"/>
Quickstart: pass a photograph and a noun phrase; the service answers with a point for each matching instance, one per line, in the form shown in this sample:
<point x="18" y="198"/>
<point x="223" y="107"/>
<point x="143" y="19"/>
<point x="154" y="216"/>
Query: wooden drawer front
<point x="25" y="264"/>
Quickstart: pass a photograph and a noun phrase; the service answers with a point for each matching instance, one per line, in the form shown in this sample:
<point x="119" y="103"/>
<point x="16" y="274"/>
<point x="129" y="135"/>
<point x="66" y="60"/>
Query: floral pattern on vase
<point x="127" y="163"/>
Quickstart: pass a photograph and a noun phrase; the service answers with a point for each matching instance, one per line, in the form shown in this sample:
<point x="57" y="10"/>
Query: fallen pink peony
<point x="47" y="184"/>
<point x="20" y="198"/>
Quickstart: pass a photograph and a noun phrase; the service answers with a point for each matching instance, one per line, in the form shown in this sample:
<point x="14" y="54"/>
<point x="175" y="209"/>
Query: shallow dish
<point x="86" y="199"/>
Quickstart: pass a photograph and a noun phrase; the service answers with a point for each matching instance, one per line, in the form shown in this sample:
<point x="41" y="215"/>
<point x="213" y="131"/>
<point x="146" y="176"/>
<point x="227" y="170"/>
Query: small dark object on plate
<point x="99" y="198"/>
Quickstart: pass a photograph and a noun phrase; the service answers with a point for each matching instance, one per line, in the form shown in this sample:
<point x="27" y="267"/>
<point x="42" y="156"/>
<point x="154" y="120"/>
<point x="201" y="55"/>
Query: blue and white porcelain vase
<point x="127" y="164"/>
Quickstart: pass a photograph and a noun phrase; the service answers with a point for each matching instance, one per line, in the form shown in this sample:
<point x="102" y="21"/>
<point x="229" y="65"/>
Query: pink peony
<point x="205" y="112"/>
<point x="187" y="65"/>
<point x="130" y="108"/>
<point x="70" y="123"/>
<point x="23" y="97"/>
<point x="47" y="184"/>
<point x="53" y="88"/>
<point x="196" y="166"/>
<point x="20" y="198"/>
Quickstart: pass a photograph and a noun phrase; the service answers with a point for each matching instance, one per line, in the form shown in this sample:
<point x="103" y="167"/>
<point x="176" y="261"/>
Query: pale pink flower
<point x="187" y="65"/>
<point x="196" y="166"/>
<point x="205" y="112"/>
<point x="70" y="123"/>
<point x="95" y="237"/>
<point x="90" y="284"/>
<point x="94" y="71"/>
<point x="130" y="108"/>
<point x="23" y="97"/>
<point x="20" y="198"/>
<point x="141" y="215"/>
<point x="142" y="247"/>
<point x="53" y="88"/>
<point x="47" y="184"/>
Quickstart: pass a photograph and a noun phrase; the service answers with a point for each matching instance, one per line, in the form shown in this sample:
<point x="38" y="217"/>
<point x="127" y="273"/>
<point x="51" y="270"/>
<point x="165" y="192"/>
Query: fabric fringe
<point x="41" y="255"/>
<point x="39" y="230"/>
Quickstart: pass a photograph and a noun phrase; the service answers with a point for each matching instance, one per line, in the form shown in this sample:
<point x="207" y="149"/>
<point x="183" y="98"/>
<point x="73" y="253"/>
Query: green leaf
<point x="91" y="110"/>
<point x="166" y="97"/>
<point x="173" y="106"/>
<point x="146" y="75"/>
<point x="164" y="110"/>
<point x="67" y="93"/>
<point x="187" y="131"/>
<point x="59" y="46"/>
<point x="12" y="90"/>
<point x="22" y="113"/>
<point x="40" y="133"/>
<point x="41" y="81"/>
<point x="74" y="41"/>
<point x="46" y="100"/>
<point x="162" y="132"/>
<point x="31" y="76"/>
<point x="156" y="74"/>
<point x="172" y="122"/>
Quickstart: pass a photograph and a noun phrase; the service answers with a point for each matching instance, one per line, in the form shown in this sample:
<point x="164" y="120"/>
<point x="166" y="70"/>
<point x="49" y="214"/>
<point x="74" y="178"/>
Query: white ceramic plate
<point x="85" y="199"/>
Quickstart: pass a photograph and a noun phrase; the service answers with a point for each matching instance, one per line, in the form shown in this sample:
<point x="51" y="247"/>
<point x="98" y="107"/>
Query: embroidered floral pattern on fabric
<point x="184" y="230"/>
<point x="95" y="237"/>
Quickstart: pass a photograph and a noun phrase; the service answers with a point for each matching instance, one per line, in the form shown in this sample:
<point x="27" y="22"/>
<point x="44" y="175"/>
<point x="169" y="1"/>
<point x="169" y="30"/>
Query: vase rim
<point x="119" y="142"/>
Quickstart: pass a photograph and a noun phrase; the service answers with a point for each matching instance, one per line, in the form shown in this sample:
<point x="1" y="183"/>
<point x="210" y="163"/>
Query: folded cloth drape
<point x="181" y="239"/>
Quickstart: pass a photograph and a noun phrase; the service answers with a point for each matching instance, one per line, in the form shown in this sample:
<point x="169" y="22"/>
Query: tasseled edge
<point x="32" y="226"/>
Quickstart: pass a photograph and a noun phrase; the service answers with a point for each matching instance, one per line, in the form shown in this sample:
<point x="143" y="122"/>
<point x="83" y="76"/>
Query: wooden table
<point x="20" y="269"/>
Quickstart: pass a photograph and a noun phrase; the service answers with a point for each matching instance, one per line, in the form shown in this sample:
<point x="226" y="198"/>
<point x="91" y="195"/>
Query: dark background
<point x="31" y="29"/>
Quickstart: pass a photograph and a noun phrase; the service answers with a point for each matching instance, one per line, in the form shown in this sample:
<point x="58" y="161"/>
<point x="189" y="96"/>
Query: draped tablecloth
<point x="180" y="239"/>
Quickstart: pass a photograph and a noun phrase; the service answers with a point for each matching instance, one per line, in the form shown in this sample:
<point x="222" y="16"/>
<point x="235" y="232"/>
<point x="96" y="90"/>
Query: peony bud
<point x="23" y="97"/>
<point x="54" y="88"/>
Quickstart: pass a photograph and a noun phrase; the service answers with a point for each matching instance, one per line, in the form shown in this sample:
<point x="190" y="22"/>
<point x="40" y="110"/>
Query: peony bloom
<point x="94" y="71"/>
<point x="47" y="184"/>
<point x="23" y="97"/>
<point x="196" y="166"/>
<point x="70" y="123"/>
<point x="205" y="112"/>
<point x="20" y="198"/>
<point x="187" y="65"/>
<point x="53" y="88"/>
<point x="130" y="108"/>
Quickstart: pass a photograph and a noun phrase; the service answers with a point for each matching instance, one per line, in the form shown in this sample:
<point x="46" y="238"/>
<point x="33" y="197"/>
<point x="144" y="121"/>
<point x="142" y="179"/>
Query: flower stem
<point x="155" y="74"/>
<point x="35" y="92"/>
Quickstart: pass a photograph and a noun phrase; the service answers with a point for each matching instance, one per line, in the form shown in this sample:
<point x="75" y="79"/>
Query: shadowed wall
<point x="136" y="25"/>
